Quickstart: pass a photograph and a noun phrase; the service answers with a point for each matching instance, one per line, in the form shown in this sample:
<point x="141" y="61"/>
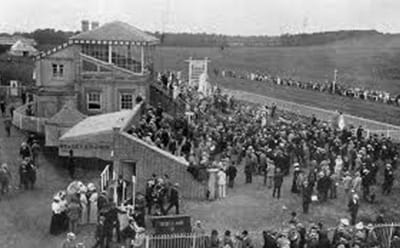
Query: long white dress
<point x="93" y="208"/>
<point x="84" y="204"/>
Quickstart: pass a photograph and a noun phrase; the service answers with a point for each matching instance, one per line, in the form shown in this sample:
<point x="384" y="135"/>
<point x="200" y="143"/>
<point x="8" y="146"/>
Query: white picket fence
<point x="384" y="233"/>
<point x="106" y="176"/>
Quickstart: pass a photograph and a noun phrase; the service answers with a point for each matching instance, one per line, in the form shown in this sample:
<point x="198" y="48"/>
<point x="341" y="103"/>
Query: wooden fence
<point x="28" y="123"/>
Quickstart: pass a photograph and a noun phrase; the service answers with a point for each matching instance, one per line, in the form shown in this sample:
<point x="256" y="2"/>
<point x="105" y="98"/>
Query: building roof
<point x="97" y="124"/>
<point x="68" y="115"/>
<point x="22" y="46"/>
<point x="116" y="31"/>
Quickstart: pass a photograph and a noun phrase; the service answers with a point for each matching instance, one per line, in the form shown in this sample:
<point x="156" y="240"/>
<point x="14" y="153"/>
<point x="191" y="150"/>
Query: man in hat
<point x="306" y="194"/>
<point x="129" y="232"/>
<point x="7" y="125"/>
<point x="35" y="153"/>
<point x="100" y="234"/>
<point x="246" y="240"/>
<point x="278" y="180"/>
<point x="24" y="175"/>
<point x="24" y="151"/>
<point x="296" y="173"/>
<point x="174" y="199"/>
<point x="353" y="206"/>
<point x="231" y="173"/>
<point x="388" y="180"/>
<point x="112" y="221"/>
<point x="71" y="164"/>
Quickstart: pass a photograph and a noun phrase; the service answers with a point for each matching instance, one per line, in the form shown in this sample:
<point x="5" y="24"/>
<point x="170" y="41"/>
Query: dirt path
<point x="25" y="214"/>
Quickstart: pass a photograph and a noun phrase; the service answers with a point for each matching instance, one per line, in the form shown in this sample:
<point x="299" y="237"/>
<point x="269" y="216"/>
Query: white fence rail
<point x="384" y="233"/>
<point x="28" y="123"/>
<point x="105" y="178"/>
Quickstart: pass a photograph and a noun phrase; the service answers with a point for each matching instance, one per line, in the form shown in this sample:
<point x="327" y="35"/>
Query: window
<point x="58" y="70"/>
<point x="93" y="100"/>
<point x="126" y="101"/>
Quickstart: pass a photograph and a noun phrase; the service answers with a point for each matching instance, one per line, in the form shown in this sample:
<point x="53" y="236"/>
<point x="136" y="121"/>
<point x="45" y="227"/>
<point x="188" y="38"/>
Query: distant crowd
<point x="330" y="87"/>
<point x="298" y="235"/>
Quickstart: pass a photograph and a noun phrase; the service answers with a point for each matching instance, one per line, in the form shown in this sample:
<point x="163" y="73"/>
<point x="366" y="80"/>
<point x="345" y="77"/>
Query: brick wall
<point x="150" y="159"/>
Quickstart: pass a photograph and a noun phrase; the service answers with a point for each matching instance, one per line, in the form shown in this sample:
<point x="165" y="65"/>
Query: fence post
<point x="390" y="235"/>
<point x="147" y="245"/>
<point x="194" y="240"/>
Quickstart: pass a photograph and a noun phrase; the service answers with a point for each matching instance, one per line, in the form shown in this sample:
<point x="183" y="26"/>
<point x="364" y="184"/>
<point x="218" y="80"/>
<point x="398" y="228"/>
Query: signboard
<point x="13" y="88"/>
<point x="196" y="68"/>
<point x="172" y="224"/>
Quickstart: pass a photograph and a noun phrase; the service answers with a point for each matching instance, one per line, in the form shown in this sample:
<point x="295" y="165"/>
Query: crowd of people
<point x="330" y="87"/>
<point x="81" y="205"/>
<point x="298" y="235"/>
<point x="225" y="134"/>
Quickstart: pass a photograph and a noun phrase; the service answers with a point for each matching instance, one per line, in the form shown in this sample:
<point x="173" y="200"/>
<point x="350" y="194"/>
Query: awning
<point x="93" y="137"/>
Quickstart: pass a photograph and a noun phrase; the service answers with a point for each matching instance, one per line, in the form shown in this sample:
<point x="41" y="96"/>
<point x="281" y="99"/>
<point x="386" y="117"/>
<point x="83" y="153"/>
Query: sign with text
<point x="172" y="224"/>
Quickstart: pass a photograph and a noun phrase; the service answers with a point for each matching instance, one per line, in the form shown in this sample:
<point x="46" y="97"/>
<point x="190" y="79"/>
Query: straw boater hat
<point x="359" y="226"/>
<point x="344" y="222"/>
<point x="91" y="187"/>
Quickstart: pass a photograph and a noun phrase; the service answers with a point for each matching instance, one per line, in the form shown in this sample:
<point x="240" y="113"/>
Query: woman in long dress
<point x="56" y="225"/>
<point x="93" y="211"/>
<point x="84" y="204"/>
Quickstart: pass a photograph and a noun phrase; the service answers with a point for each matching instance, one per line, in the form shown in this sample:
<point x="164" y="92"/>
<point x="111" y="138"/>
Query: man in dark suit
<point x="306" y="193"/>
<point x="278" y="180"/>
<point x="112" y="220"/>
<point x="100" y="233"/>
<point x="231" y="172"/>
<point x="354" y="205"/>
<point x="174" y="199"/>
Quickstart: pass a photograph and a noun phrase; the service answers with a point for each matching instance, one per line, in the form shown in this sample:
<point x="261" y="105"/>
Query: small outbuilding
<point x="23" y="49"/>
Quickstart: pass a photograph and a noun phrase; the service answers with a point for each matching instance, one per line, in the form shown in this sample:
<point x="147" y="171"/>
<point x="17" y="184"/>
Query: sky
<point x="231" y="17"/>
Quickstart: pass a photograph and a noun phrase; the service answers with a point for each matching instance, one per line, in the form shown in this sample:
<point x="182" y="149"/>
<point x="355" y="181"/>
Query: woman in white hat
<point x="84" y="204"/>
<point x="92" y="200"/>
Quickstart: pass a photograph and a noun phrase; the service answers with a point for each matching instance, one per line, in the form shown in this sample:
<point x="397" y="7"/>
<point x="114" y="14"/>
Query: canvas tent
<point x="61" y="122"/>
<point x="93" y="137"/>
<point x="21" y="48"/>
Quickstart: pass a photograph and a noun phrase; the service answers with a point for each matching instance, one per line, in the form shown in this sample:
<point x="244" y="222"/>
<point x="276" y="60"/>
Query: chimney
<point x="85" y="25"/>
<point x="95" y="25"/>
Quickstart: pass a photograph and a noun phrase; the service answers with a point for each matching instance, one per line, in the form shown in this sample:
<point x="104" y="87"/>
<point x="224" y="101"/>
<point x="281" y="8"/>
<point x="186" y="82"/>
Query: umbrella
<point x="74" y="187"/>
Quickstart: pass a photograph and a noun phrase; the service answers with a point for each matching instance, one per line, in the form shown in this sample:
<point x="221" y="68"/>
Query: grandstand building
<point x="101" y="70"/>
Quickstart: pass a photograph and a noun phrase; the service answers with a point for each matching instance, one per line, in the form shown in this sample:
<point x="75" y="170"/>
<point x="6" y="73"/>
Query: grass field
<point x="372" y="67"/>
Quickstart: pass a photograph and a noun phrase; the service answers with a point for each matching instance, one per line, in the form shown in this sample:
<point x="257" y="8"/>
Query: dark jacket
<point x="278" y="179"/>
<point x="174" y="197"/>
<point x="353" y="206"/>
<point x="231" y="171"/>
<point x="269" y="241"/>
<point x="100" y="231"/>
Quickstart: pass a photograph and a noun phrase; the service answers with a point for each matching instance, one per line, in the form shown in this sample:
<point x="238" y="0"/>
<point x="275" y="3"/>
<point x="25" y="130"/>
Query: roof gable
<point x="116" y="31"/>
<point x="68" y="115"/>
